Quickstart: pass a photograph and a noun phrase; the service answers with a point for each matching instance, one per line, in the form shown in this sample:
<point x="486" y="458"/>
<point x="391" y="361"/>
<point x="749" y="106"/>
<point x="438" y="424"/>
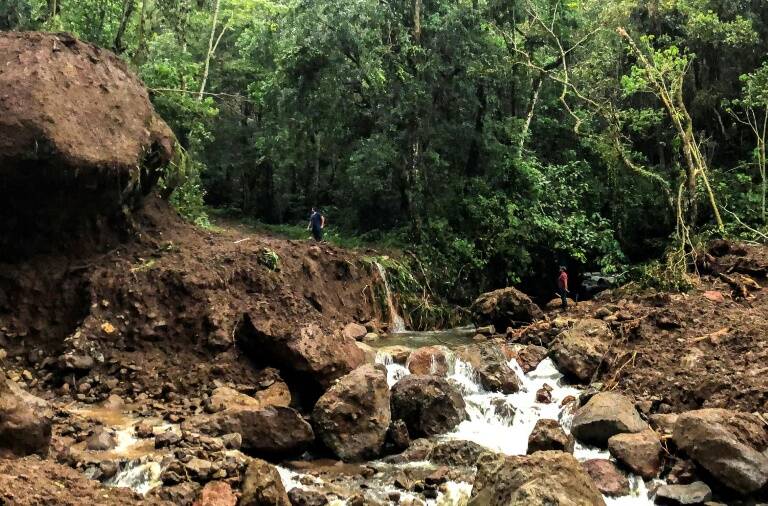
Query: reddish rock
<point x="25" y="421"/>
<point x="262" y="486"/>
<point x="604" y="415"/>
<point x="507" y="307"/>
<point x="428" y="360"/>
<point x="640" y="452"/>
<point x="714" y="296"/>
<point x="354" y="331"/>
<point x="216" y="493"/>
<point x="491" y="365"/>
<point x="429" y="405"/>
<point x="578" y="351"/>
<point x="609" y="480"/>
<point x="549" y="435"/>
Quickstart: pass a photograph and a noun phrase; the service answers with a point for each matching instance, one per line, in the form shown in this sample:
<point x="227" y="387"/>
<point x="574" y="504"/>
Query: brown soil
<point x="685" y="351"/>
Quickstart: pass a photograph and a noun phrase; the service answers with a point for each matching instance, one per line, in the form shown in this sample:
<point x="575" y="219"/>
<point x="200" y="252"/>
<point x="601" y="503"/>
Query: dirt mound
<point x="79" y="140"/>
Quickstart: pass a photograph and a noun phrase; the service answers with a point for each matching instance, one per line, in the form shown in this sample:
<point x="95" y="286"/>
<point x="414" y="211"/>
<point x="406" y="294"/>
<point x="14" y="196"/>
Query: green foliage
<point x="269" y="259"/>
<point x="181" y="179"/>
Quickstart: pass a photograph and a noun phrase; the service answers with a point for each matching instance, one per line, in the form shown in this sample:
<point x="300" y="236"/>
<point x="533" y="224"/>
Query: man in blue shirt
<point x="316" y="224"/>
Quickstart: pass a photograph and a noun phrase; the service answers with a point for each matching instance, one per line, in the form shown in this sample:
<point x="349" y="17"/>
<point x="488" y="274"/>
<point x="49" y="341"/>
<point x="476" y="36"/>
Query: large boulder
<point x="549" y="435"/>
<point x="579" y="350"/>
<point x="353" y="416"/>
<point x="25" y="421"/>
<point x="262" y="486"/>
<point x="604" y="415"/>
<point x="730" y="445"/>
<point x="542" y="479"/>
<point x="308" y="352"/>
<point x="640" y="452"/>
<point x="490" y="364"/>
<point x="273" y="431"/>
<point x="429" y="405"/>
<point x="79" y="139"/>
<point x="429" y="360"/>
<point x="507" y="307"/>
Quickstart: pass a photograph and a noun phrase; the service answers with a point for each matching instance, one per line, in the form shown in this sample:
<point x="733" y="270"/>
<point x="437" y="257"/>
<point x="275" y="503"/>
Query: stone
<point x="694" y="493"/>
<point x="274" y="431"/>
<point x="216" y="493"/>
<point x="25" y="421"/>
<point x="232" y="441"/>
<point x="639" y="452"/>
<point x="299" y="497"/>
<point x="544" y="395"/>
<point x="167" y="439"/>
<point x="578" y="351"/>
<point x="108" y="468"/>
<point x="541" y="479"/>
<point x="354" y="331"/>
<point x="609" y="480"/>
<point x="398" y="353"/>
<point x="262" y="486"/>
<point x="198" y="468"/>
<point x="429" y="405"/>
<point x="398" y="435"/>
<point x="113" y="402"/>
<point x="371" y="337"/>
<point x="491" y="365"/>
<point x="369" y="352"/>
<point x="730" y="445"/>
<point x="503" y="408"/>
<point x="456" y="452"/>
<point x="604" y="415"/>
<point x="144" y="429"/>
<point x="549" y="435"/>
<point x="488" y="330"/>
<point x="79" y="139"/>
<point x="222" y="398"/>
<point x="310" y="351"/>
<point x="529" y="357"/>
<point x="76" y="362"/>
<point x="353" y="416"/>
<point x="507" y="307"/>
<point x="428" y="360"/>
<point x="101" y="440"/>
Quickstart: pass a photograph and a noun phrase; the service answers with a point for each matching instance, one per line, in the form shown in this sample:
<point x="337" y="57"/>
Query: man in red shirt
<point x="562" y="286"/>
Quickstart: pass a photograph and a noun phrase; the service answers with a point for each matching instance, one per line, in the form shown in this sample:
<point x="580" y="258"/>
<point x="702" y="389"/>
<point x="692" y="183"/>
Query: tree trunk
<point x="118" y="45"/>
<point x="141" y="43"/>
<point x="209" y="54"/>
<point x="529" y="117"/>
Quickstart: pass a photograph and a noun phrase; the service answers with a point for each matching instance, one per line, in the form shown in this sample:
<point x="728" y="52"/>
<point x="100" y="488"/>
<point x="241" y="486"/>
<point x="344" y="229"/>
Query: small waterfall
<point x="140" y="475"/>
<point x="395" y="372"/>
<point x="396" y="322"/>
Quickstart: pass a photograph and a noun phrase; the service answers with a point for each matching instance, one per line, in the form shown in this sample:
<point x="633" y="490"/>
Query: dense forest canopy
<point x="495" y="138"/>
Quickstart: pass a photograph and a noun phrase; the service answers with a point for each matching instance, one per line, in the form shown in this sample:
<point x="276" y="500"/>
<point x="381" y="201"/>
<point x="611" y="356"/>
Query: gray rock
<point x="605" y="415"/>
<point x="695" y="493"/>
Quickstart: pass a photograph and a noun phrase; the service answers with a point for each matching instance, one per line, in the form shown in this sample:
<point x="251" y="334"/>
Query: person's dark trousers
<point x="317" y="233"/>
<point x="564" y="298"/>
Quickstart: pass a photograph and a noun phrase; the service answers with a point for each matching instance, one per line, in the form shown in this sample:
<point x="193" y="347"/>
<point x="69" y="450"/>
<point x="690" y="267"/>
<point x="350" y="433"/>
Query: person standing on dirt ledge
<point x="316" y="224"/>
<point x="562" y="286"/>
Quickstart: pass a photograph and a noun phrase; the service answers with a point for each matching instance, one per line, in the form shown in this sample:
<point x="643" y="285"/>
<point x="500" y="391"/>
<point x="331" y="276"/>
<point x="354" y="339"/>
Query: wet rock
<point x="113" y="402"/>
<point x="605" y="415"/>
<point x="398" y="435"/>
<point x="488" y="330"/>
<point x="639" y="452"/>
<point x="609" y="480"/>
<point x="428" y="360"/>
<point x="730" y="445"/>
<point x="101" y="440"/>
<point x="507" y="307"/>
<point x="262" y="486"/>
<point x="544" y="395"/>
<point x="503" y="408"/>
<point x="369" y="352"/>
<point x="683" y="472"/>
<point x="353" y="416"/>
<point x="216" y="493"/>
<point x="354" y="331"/>
<point x="144" y="429"/>
<point x="25" y="421"/>
<point x="167" y="439"/>
<point x="319" y="355"/>
<point x="490" y="364"/>
<point x="299" y="497"/>
<point x="541" y="479"/>
<point x="428" y="405"/>
<point x="108" y="469"/>
<point x="273" y="431"/>
<point x="695" y="493"/>
<point x="371" y="337"/>
<point x="398" y="353"/>
<point x="456" y="453"/>
<point x="419" y="449"/>
<point x="579" y="351"/>
<point x="530" y="356"/>
<point x="199" y="469"/>
<point x="549" y="435"/>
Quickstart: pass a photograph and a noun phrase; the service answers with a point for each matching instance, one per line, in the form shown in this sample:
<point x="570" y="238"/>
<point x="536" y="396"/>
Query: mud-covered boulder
<point x="490" y="364"/>
<point x="306" y="352"/>
<point x="578" y="351"/>
<point x="222" y="398"/>
<point x="25" y="421"/>
<point x="549" y="435"/>
<point x="353" y="416"/>
<point x="507" y="307"/>
<point x="607" y="477"/>
<point x="262" y="486"/>
<point x="541" y="479"/>
<point x="730" y="445"/>
<point x="79" y="139"/>
<point x="639" y="452"/>
<point x="429" y="360"/>
<point x="429" y="405"/>
<point x="272" y="431"/>
<point x="604" y="415"/>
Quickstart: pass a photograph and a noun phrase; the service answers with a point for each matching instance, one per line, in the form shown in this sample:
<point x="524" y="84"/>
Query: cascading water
<point x="396" y="322"/>
<point x="140" y="475"/>
<point x="503" y="423"/>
